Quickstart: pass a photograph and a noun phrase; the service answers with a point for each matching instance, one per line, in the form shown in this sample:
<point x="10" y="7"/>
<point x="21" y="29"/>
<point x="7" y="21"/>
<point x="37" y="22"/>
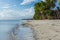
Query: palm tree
<point x="39" y="10"/>
<point x="43" y="9"/>
<point x="51" y="3"/>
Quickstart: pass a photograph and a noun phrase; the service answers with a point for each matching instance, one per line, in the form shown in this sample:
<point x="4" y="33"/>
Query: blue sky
<point x="17" y="9"/>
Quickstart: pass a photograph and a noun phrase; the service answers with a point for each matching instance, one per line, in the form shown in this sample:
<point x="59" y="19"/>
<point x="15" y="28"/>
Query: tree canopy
<point x="43" y="10"/>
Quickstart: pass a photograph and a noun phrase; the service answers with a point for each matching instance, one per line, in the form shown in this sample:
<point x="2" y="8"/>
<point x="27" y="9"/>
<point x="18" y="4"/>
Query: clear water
<point x="6" y="26"/>
<point x="26" y="33"/>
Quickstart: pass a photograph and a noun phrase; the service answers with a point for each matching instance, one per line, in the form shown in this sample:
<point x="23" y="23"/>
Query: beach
<point x="30" y="30"/>
<point x="44" y="29"/>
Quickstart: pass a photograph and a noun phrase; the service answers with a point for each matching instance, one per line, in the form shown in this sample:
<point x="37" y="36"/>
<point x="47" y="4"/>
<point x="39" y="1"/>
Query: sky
<point x="17" y="9"/>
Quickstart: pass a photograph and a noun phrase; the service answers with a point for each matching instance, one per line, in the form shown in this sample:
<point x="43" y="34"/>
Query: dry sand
<point x="44" y="29"/>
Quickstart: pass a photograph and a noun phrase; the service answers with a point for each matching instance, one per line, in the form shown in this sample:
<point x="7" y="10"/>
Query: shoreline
<point x="44" y="29"/>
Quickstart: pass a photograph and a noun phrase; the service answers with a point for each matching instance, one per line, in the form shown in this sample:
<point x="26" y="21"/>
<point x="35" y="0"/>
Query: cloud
<point x="27" y="1"/>
<point x="28" y="13"/>
<point x="43" y="0"/>
<point x="9" y="14"/>
<point x="5" y="5"/>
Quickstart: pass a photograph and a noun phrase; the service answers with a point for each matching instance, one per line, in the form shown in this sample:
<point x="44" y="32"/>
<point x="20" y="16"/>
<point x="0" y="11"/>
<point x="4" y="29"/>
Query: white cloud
<point x="5" y="5"/>
<point x="27" y="1"/>
<point x="8" y="14"/>
<point x="28" y="13"/>
<point x="43" y="0"/>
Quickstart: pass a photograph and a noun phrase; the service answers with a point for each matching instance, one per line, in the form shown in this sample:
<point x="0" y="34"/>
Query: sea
<point x="6" y="26"/>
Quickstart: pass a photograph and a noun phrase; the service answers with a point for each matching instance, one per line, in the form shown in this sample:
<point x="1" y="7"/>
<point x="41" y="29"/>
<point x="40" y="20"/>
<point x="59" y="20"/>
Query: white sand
<point x="45" y="29"/>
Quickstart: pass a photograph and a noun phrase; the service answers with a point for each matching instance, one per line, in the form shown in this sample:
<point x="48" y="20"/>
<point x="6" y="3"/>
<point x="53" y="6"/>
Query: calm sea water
<point x="6" y="26"/>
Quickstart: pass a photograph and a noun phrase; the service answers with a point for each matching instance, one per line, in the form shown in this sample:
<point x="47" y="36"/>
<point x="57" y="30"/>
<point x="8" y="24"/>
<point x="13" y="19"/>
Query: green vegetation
<point x="46" y="10"/>
<point x="58" y="0"/>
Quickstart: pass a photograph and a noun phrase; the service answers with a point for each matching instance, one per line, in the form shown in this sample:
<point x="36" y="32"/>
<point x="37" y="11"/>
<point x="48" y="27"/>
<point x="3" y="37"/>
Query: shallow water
<point x="6" y="26"/>
<point x="26" y="33"/>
